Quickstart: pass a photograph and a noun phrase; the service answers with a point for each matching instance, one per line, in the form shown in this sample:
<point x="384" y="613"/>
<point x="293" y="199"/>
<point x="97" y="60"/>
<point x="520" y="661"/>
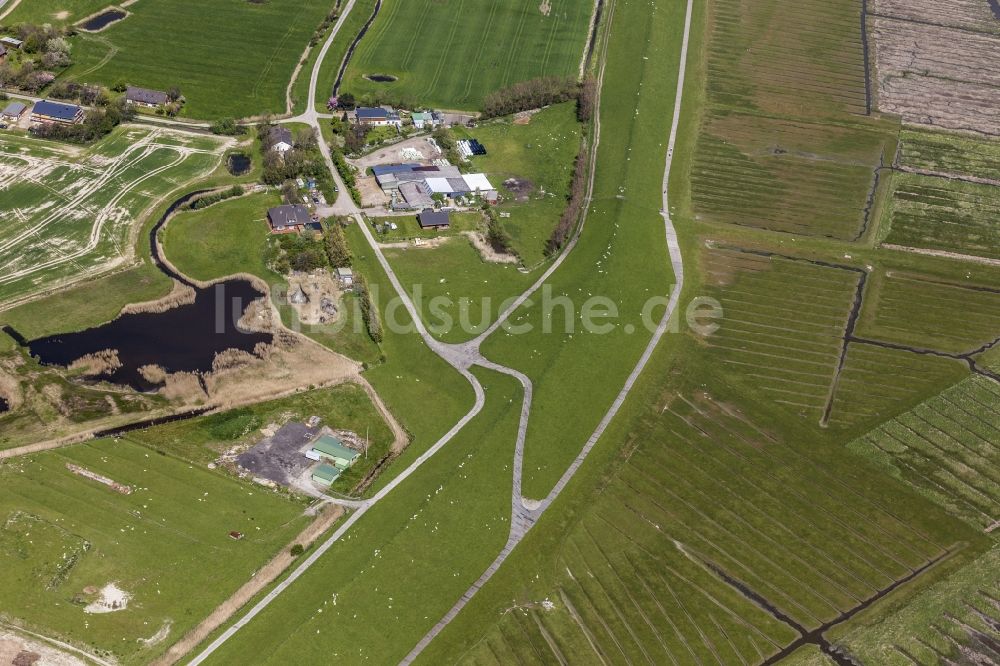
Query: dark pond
<point x="995" y="7"/>
<point x="381" y="78"/>
<point x="183" y="339"/>
<point x="4" y="405"/>
<point x="238" y="164"/>
<point x="104" y="19"/>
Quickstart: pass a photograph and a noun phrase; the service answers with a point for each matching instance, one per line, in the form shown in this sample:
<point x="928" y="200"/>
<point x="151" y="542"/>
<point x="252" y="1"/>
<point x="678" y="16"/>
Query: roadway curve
<point x="464" y="356"/>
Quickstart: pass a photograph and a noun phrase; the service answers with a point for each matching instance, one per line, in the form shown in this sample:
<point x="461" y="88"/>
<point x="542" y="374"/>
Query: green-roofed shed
<point x="325" y="474"/>
<point x="329" y="448"/>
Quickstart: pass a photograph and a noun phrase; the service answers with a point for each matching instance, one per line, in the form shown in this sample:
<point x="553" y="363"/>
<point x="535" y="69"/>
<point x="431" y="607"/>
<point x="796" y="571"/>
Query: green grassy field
<point x="540" y="156"/>
<point x="166" y="544"/>
<point x="496" y="43"/>
<point x="940" y="214"/>
<point x="79" y="212"/>
<point x="225" y="238"/>
<point x="460" y="293"/>
<point x="230" y="58"/>
<point x="55" y="12"/>
<point x="353" y="24"/>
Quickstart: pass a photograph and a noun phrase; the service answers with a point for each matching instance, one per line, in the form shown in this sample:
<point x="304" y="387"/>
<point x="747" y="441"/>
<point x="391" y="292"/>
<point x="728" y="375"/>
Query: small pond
<point x="381" y="78"/>
<point x="103" y="20"/>
<point x="239" y="164"/>
<point x="4" y="405"/>
<point x="185" y="338"/>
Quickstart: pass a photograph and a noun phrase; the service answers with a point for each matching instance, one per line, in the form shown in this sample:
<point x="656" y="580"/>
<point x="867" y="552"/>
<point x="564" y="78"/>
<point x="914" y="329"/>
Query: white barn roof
<point x="477" y="181"/>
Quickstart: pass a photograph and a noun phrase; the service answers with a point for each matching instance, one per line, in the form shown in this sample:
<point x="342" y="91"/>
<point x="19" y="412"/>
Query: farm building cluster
<point x="413" y="186"/>
<point x="304" y="456"/>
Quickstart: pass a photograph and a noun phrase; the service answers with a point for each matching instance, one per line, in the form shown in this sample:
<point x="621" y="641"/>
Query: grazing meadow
<point x="229" y="57"/>
<point x="452" y="54"/>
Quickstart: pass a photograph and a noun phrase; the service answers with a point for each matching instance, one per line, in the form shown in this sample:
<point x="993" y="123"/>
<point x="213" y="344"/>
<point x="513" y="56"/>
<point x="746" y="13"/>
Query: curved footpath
<point x="464" y="356"/>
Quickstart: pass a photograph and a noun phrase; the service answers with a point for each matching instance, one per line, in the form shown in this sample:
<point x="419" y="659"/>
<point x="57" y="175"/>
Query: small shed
<point x="325" y="474"/>
<point x="331" y="449"/>
<point x="434" y="219"/>
<point x="345" y="276"/>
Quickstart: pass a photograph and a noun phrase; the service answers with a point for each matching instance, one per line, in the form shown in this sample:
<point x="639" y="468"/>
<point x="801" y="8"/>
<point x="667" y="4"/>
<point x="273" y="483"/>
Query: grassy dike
<point x="621" y="255"/>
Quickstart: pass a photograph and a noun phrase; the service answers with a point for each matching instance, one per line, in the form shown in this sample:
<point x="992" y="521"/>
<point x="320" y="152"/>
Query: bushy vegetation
<point x="227" y="127"/>
<point x="346" y="172"/>
<point x="369" y="309"/>
<point x="207" y="200"/>
<point x="574" y="205"/>
<point x="45" y="52"/>
<point x="531" y="94"/>
<point x="337" y="249"/>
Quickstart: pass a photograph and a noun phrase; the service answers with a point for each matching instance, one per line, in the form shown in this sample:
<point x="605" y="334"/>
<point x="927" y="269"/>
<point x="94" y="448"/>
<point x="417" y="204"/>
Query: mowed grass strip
<point x="167" y="544"/>
<point x="229" y="57"/>
<point x="621" y="257"/>
<point x="946" y="448"/>
<point x="453" y="53"/>
<point x="949" y="153"/>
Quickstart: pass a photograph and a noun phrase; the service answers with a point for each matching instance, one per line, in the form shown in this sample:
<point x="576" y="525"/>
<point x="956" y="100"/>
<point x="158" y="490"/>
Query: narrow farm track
<point x="464" y="356"/>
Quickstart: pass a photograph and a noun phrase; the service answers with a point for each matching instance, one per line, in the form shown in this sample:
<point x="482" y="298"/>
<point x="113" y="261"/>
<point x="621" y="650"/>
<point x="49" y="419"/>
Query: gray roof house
<point x="288" y="218"/>
<point x="281" y="139"/>
<point x="145" y="97"/>
<point x="433" y="219"/>
<point x="13" y="111"/>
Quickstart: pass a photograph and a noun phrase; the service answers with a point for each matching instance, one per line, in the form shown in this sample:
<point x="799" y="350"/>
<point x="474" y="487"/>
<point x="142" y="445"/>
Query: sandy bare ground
<point x="14" y="641"/>
<point x="392" y="154"/>
<point x="486" y="250"/>
<point x="264" y="577"/>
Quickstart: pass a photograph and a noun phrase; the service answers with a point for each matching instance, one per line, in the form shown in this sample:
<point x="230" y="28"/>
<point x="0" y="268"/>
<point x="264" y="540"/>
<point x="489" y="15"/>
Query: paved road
<point x="464" y="356"/>
<point x="523" y="518"/>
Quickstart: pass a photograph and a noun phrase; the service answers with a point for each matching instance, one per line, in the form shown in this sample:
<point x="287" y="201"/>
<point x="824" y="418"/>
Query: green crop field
<point x="229" y="57"/>
<point x="166" y="544"/>
<point x="539" y="156"/>
<point x="71" y="213"/>
<point x="954" y="154"/>
<point x="452" y="54"/>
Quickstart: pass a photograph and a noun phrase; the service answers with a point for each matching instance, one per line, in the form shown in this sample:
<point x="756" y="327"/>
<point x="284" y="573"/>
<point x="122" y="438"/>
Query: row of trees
<point x="531" y="94"/>
<point x="567" y="220"/>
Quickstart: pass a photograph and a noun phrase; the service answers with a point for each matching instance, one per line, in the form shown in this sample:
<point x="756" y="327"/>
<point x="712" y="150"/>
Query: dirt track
<point x="264" y="577"/>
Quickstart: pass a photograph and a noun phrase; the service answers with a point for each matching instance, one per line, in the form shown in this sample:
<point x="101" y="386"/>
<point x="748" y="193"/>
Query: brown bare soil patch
<point x="321" y="292"/>
<point x="181" y="294"/>
<point x="486" y="251"/>
<point x="938" y="64"/>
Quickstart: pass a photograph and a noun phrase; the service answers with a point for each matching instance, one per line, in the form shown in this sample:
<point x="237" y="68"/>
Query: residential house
<point x="150" y="99"/>
<point x="377" y="117"/>
<point x="56" y="112"/>
<point x="434" y="219"/>
<point x="13" y="112"/>
<point x="284" y="219"/>
<point x="281" y="139"/>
